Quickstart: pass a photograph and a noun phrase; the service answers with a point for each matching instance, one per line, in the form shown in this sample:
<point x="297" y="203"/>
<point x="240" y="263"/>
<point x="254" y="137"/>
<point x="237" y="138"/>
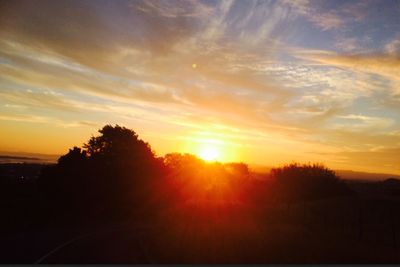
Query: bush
<point x="295" y="182"/>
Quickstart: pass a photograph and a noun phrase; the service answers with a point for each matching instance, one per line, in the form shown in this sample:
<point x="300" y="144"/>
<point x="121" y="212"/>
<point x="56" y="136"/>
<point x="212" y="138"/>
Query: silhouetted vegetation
<point x="194" y="180"/>
<point x="189" y="210"/>
<point x="295" y="183"/>
<point x="112" y="174"/>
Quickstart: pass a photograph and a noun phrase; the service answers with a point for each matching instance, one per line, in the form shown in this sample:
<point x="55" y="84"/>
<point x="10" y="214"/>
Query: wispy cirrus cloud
<point x="385" y="65"/>
<point x="393" y="46"/>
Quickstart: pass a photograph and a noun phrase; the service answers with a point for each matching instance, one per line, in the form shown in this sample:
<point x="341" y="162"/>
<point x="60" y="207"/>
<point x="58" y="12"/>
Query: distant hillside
<point x="22" y="157"/>
<point x="354" y="175"/>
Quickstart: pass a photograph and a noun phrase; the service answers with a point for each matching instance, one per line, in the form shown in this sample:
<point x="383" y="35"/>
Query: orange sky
<point x="259" y="82"/>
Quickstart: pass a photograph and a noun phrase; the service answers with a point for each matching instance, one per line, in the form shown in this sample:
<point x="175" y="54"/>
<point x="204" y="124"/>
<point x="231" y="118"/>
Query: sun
<point x="209" y="153"/>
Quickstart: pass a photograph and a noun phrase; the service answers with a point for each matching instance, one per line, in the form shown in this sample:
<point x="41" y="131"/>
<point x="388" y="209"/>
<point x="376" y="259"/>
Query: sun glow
<point x="211" y="146"/>
<point x="209" y="153"/>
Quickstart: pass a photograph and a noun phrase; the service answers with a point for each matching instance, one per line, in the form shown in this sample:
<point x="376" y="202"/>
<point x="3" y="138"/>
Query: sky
<point x="263" y="82"/>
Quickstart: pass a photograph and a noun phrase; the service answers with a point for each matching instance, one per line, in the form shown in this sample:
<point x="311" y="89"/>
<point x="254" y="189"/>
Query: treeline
<point x="116" y="174"/>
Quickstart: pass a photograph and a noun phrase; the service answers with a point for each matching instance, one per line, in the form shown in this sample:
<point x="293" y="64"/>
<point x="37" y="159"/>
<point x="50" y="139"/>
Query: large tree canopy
<point x="117" y="143"/>
<point x="115" y="169"/>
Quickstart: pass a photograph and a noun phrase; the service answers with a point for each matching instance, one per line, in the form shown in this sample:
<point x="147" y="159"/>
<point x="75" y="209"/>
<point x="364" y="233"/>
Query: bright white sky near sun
<point x="263" y="82"/>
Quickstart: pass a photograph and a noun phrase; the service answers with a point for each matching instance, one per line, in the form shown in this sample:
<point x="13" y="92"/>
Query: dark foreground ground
<point x="360" y="229"/>
<point x="221" y="233"/>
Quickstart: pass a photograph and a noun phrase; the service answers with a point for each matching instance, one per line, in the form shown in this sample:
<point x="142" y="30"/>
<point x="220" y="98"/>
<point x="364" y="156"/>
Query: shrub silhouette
<point x="295" y="182"/>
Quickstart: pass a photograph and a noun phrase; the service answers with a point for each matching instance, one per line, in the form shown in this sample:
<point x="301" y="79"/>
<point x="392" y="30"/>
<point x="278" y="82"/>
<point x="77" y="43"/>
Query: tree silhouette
<point x="113" y="172"/>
